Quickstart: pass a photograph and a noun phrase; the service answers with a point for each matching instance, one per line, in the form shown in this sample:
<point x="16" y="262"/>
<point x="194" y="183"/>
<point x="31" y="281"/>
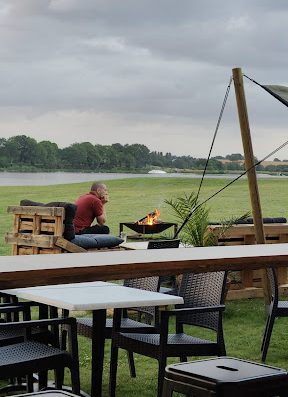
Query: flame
<point x="151" y="218"/>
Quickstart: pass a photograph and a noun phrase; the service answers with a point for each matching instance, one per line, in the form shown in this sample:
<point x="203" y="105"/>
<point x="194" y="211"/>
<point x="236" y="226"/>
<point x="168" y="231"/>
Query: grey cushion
<point x="96" y="240"/>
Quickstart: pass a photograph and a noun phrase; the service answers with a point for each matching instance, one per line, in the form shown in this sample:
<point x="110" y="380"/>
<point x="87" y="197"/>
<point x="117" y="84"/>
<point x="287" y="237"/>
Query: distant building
<point x="157" y="172"/>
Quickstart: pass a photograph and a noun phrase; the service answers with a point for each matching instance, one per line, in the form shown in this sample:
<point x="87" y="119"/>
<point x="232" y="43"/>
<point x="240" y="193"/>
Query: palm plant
<point x="196" y="230"/>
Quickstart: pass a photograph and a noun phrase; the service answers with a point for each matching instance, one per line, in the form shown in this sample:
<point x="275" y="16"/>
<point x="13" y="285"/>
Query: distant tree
<point x="48" y="154"/>
<point x="74" y="156"/>
<point x="234" y="157"/>
<point x="3" y="154"/>
<point x="276" y="159"/>
<point x="140" y="153"/>
<point x="22" y="149"/>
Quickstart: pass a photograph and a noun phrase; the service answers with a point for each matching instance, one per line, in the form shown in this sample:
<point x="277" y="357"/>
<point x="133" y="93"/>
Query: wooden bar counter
<point x="33" y="270"/>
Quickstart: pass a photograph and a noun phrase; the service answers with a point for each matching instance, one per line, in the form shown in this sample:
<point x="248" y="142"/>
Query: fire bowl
<point x="148" y="229"/>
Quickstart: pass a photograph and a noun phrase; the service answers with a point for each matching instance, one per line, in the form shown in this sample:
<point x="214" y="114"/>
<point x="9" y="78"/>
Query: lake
<point x="57" y="178"/>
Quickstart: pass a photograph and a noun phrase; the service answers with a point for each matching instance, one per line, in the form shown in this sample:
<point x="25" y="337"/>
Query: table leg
<point x="98" y="342"/>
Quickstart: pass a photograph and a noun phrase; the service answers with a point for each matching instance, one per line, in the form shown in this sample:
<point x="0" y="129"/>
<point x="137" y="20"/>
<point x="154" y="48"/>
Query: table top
<point x="31" y="270"/>
<point x="93" y="296"/>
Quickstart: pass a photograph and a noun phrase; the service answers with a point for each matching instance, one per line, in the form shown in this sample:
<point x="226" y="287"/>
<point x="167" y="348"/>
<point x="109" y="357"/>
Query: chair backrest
<point x="158" y="244"/>
<point x="272" y="277"/>
<point x="150" y="313"/>
<point x="199" y="290"/>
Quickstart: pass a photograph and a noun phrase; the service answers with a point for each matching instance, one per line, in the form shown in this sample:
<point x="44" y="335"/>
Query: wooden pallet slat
<point x="37" y="229"/>
<point x="251" y="280"/>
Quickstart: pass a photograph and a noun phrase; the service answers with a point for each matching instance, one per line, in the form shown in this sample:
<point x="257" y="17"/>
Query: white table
<point x="96" y="296"/>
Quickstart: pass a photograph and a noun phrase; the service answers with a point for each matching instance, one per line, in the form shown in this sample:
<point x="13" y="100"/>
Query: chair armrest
<point x="71" y="328"/>
<point x="11" y="308"/>
<point x="70" y="321"/>
<point x="178" y="313"/>
<point x="191" y="310"/>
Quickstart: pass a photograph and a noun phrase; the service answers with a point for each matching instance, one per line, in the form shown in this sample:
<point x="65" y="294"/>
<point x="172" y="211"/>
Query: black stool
<point x="225" y="377"/>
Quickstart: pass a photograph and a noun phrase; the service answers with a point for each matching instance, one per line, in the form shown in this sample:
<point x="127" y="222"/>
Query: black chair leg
<point x="29" y="383"/>
<point x="59" y="378"/>
<point x="267" y="336"/>
<point x="131" y="363"/>
<point x="113" y="371"/>
<point x="75" y="379"/>
<point x="161" y="373"/>
<point x="43" y="380"/>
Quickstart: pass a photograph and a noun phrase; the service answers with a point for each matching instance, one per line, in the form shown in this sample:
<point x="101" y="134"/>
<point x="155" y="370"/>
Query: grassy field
<point x="131" y="199"/>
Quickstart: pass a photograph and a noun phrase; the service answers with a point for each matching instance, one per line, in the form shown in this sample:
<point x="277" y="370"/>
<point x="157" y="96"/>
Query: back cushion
<point x="70" y="210"/>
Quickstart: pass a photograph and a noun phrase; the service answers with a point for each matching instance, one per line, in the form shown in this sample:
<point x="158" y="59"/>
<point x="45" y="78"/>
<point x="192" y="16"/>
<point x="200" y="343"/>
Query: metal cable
<point x="210" y="151"/>
<point x="234" y="180"/>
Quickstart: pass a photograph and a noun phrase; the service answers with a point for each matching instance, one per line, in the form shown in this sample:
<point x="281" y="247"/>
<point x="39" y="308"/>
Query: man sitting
<point x="91" y="206"/>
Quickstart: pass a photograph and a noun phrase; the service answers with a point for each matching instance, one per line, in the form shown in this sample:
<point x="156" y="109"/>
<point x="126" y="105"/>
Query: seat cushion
<point x="96" y="240"/>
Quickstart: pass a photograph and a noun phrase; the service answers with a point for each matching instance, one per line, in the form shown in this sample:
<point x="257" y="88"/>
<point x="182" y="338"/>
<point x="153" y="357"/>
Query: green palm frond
<point x="196" y="231"/>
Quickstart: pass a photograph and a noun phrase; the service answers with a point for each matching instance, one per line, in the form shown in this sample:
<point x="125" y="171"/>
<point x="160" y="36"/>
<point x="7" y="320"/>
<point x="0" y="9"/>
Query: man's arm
<point x="101" y="219"/>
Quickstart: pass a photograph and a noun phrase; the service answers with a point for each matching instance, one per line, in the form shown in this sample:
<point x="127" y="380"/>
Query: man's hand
<point x="105" y="198"/>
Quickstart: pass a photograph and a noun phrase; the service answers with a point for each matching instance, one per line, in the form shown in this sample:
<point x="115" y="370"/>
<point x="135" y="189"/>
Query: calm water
<point x="56" y="178"/>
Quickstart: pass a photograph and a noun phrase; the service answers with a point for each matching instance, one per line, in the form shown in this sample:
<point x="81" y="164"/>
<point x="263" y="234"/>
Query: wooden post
<point x="251" y="174"/>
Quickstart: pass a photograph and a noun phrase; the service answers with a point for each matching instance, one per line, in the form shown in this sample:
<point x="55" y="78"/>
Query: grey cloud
<point x="141" y="61"/>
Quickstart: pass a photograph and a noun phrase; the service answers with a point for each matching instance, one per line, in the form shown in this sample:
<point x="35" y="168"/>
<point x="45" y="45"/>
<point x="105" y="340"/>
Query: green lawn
<point x="131" y="199"/>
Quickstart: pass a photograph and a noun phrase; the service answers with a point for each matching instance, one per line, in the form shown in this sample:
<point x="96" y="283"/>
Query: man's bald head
<point x="100" y="189"/>
<point x="97" y="185"/>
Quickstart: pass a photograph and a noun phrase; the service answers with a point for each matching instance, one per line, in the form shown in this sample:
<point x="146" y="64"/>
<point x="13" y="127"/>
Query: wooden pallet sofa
<point x="248" y="283"/>
<point x="48" y="229"/>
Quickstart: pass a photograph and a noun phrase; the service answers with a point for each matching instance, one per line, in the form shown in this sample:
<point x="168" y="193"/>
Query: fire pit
<point x="150" y="224"/>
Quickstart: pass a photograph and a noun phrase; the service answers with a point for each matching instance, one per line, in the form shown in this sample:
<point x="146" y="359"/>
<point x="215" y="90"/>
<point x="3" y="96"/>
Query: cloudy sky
<point x="142" y="71"/>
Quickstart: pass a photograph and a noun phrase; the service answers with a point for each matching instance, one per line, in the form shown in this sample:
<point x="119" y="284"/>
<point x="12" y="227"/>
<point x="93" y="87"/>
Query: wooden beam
<point x="32" y="270"/>
<point x="249" y="165"/>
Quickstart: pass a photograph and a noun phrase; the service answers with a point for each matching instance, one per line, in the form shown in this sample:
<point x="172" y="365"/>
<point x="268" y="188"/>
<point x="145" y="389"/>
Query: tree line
<point x="22" y="152"/>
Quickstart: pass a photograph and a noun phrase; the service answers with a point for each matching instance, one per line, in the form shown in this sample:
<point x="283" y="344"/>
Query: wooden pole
<point x="251" y="174"/>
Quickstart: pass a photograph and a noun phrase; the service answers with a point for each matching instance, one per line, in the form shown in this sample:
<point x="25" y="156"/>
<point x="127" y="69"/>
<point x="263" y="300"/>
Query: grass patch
<point x="131" y="199"/>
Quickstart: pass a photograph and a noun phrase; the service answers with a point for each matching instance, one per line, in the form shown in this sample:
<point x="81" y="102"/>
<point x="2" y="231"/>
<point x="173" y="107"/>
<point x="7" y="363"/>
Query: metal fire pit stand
<point x="146" y="230"/>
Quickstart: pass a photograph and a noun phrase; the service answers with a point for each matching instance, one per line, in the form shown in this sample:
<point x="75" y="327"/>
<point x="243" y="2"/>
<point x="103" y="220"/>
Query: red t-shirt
<point x="89" y="207"/>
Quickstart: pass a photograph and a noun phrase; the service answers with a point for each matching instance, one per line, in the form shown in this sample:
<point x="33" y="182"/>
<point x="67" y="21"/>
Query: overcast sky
<point x="142" y="71"/>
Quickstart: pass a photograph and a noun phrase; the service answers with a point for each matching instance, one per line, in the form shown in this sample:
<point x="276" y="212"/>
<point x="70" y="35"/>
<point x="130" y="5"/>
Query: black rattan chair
<point x="203" y="307"/>
<point x="25" y="355"/>
<point x="276" y="309"/>
<point x="166" y="280"/>
<point x="146" y="321"/>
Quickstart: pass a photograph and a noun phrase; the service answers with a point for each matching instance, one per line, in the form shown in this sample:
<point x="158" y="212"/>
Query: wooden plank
<point x="245" y="293"/>
<point x="243" y="230"/>
<point x="34" y="210"/>
<point x="45" y="227"/>
<point x="30" y="240"/>
<point x="33" y="270"/>
<point x="67" y="245"/>
<point x="253" y="292"/>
